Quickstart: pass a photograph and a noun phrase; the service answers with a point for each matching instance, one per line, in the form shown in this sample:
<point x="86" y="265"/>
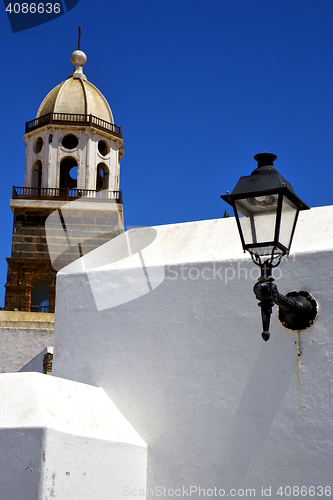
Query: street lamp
<point x="266" y="210"/>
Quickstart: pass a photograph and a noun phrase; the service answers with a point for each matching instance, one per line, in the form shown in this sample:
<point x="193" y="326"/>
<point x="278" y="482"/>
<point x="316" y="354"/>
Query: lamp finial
<point x="265" y="159"/>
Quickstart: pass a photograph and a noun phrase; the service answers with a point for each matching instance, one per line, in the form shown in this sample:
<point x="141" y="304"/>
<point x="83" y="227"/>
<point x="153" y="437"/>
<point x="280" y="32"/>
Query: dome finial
<point x="79" y="59"/>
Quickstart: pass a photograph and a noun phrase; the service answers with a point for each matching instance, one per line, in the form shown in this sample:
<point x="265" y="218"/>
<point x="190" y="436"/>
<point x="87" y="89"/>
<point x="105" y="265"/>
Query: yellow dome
<point x="76" y="95"/>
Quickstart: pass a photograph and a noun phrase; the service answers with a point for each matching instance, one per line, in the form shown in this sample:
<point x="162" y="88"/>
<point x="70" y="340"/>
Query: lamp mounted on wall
<point x="266" y="210"/>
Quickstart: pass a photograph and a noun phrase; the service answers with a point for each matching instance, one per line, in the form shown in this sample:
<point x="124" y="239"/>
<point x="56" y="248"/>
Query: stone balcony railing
<point x="66" y="194"/>
<point x="73" y="119"/>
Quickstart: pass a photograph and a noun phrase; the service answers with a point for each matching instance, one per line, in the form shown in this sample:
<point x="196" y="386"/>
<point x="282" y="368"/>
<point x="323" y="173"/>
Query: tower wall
<point x="69" y="205"/>
<point x="86" y="154"/>
<point x="43" y="243"/>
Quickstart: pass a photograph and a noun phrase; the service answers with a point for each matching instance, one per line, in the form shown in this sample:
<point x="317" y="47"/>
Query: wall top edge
<point x="20" y="316"/>
<point x="215" y="240"/>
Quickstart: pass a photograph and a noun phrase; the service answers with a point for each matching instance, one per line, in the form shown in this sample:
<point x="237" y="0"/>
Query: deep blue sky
<point x="198" y="87"/>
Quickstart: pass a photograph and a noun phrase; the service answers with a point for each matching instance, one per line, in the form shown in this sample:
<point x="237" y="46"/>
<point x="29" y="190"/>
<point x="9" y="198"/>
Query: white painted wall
<point x="186" y="365"/>
<point x="23" y="335"/>
<point x="61" y="439"/>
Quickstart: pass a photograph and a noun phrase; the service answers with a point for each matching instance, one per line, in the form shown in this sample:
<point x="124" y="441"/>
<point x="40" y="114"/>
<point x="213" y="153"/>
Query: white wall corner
<point x="36" y="363"/>
<point x="165" y="320"/>
<point x="62" y="439"/>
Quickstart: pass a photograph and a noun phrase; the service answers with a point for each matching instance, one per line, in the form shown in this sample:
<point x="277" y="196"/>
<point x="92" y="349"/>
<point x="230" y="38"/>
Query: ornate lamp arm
<point x="297" y="310"/>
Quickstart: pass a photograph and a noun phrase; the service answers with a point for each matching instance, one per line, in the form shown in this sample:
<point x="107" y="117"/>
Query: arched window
<point x="36" y="178"/>
<point x="68" y="173"/>
<point x="102" y="181"/>
<point x="40" y="298"/>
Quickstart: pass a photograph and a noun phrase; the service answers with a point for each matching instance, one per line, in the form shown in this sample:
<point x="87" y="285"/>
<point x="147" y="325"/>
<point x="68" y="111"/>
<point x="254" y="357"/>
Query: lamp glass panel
<point x="288" y="216"/>
<point x="257" y="217"/>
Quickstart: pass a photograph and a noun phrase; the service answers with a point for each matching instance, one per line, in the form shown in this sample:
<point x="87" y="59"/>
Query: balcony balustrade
<point x="66" y="194"/>
<point x="40" y="309"/>
<point x="73" y="119"/>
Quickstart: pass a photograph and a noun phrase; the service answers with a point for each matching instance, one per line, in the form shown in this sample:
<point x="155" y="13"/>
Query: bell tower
<point x="70" y="202"/>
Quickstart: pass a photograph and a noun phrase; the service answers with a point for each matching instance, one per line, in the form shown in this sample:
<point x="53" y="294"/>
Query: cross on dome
<point x="78" y="59"/>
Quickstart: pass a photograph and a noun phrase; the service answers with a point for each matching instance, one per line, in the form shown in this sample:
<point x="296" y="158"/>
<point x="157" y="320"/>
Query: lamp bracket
<point x="297" y="310"/>
<point x="302" y="315"/>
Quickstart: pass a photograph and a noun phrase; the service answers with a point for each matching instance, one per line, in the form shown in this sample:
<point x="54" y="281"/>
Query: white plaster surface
<point x="22" y="336"/>
<point x="186" y="365"/>
<point x="61" y="439"/>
